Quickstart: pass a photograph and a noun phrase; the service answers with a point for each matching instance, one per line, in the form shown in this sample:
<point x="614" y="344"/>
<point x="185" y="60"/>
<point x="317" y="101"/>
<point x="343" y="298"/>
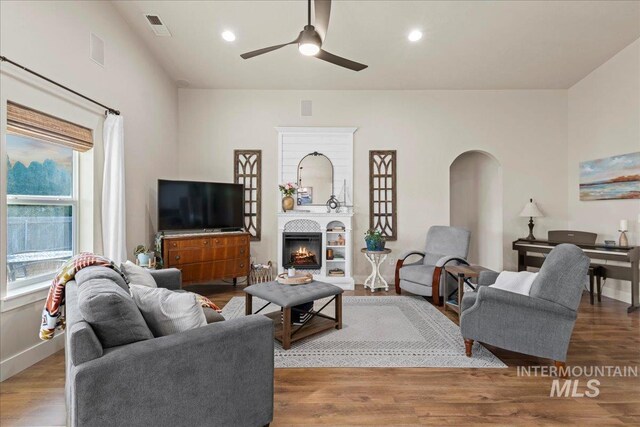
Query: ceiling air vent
<point x="158" y="28"/>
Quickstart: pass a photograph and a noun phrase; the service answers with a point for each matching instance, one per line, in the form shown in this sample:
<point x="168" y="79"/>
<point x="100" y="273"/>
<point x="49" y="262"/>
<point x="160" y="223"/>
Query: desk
<point x="629" y="255"/>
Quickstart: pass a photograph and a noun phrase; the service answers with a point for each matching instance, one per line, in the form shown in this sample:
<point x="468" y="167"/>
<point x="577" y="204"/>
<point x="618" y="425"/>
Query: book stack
<point x="336" y="272"/>
<point x="336" y="229"/>
<point x="299" y="317"/>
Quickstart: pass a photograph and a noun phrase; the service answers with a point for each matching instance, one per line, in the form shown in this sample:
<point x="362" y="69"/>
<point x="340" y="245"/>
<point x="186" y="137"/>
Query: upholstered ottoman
<point x="289" y="297"/>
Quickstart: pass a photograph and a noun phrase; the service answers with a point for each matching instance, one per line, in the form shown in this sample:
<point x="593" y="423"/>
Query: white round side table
<point x="375" y="279"/>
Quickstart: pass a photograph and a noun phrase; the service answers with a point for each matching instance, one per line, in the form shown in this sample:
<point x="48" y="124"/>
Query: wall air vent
<point x="306" y="108"/>
<point x="96" y="49"/>
<point x="158" y="28"/>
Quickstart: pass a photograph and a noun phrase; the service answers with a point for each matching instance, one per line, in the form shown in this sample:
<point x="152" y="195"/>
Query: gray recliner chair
<point x="444" y="246"/>
<point x="539" y="324"/>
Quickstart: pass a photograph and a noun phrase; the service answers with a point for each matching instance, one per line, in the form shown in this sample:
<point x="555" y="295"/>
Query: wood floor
<point x="604" y="335"/>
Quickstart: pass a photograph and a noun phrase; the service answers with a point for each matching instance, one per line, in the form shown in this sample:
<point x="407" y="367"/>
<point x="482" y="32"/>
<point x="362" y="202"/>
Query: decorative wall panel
<point x="247" y="170"/>
<point x="383" y="193"/>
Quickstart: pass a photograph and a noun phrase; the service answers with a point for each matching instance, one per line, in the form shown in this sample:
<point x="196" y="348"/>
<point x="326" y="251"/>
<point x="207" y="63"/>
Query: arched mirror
<point x="315" y="179"/>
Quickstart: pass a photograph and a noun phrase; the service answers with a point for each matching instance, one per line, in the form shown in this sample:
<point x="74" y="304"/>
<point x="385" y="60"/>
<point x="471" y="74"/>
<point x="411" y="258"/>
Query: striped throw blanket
<point x="53" y="312"/>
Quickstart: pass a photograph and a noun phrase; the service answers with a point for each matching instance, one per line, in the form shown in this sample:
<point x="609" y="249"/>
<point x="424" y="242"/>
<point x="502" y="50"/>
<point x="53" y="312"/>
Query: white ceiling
<point x="466" y="45"/>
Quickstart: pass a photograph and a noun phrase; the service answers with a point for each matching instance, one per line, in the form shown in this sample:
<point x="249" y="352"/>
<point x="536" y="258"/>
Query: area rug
<point x="379" y="332"/>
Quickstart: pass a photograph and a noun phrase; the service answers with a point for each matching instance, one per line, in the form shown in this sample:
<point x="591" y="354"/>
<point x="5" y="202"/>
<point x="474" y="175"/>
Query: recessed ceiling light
<point x="415" y="35"/>
<point x="228" y="36"/>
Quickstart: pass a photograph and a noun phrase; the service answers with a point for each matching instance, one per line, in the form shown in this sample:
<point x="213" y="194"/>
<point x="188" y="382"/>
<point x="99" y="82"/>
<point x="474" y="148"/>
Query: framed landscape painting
<point x="616" y="177"/>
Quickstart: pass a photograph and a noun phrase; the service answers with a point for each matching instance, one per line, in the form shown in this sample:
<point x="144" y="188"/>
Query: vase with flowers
<point x="287" y="191"/>
<point x="375" y="240"/>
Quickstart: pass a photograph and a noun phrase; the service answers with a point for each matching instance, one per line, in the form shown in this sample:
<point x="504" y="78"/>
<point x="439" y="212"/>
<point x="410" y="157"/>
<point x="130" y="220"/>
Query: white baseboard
<point x="21" y="361"/>
<point x="616" y="293"/>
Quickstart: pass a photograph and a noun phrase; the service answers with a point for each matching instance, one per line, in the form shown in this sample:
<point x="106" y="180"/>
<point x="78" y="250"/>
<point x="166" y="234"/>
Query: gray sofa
<point x="217" y="375"/>
<point x="444" y="246"/>
<point x="539" y="324"/>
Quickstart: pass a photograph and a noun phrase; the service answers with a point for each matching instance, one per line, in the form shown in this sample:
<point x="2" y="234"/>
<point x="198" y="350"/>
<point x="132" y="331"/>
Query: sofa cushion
<point x="431" y="258"/>
<point x="417" y="273"/>
<point x="138" y="275"/>
<point x="100" y="272"/>
<point x="451" y="241"/>
<point x="167" y="312"/>
<point x="211" y="315"/>
<point x="112" y="313"/>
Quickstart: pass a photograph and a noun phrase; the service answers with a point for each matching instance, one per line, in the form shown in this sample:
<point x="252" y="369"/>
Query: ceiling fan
<point x="310" y="39"/>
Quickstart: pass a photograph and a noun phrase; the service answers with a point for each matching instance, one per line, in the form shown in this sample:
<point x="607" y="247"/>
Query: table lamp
<point x="531" y="210"/>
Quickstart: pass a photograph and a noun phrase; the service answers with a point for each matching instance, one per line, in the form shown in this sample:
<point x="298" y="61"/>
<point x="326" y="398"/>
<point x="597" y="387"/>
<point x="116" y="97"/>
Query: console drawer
<point x="209" y="257"/>
<point x="242" y="267"/>
<point x="196" y="242"/>
<point x="185" y="256"/>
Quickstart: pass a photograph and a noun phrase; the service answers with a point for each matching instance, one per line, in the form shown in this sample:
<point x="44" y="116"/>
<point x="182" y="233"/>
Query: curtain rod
<point x="109" y="109"/>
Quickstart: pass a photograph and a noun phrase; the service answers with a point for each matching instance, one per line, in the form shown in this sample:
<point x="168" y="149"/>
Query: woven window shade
<point x="31" y="123"/>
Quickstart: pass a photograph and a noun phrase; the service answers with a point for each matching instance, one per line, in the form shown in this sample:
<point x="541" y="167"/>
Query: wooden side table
<point x="461" y="273"/>
<point x="375" y="279"/>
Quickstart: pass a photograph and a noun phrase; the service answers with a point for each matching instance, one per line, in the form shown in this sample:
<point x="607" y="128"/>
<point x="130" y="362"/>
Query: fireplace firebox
<point x="302" y="250"/>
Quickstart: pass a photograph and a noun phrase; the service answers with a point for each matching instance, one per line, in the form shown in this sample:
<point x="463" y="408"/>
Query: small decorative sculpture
<point x="332" y="204"/>
<point x="623" y="241"/>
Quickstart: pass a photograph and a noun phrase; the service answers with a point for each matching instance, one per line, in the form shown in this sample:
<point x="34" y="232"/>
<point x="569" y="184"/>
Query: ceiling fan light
<point x="228" y="36"/>
<point x="415" y="35"/>
<point x="308" y="49"/>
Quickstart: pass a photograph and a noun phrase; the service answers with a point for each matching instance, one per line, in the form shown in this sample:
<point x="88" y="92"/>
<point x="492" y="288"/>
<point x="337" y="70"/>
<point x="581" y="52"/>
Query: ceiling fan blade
<point x="322" y="11"/>
<point x="253" y="53"/>
<point x="337" y="60"/>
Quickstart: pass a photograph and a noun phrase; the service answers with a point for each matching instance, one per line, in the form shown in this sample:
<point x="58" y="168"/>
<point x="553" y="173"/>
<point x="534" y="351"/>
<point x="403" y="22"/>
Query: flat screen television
<point x="190" y="205"/>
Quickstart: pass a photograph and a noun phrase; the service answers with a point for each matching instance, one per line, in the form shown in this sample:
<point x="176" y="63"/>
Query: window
<point x="42" y="193"/>
<point x="41" y="208"/>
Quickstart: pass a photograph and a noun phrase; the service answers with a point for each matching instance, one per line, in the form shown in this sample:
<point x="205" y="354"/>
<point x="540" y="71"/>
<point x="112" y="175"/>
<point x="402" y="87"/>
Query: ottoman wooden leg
<point x="248" y="307"/>
<point x="286" y="328"/>
<point x="338" y="303"/>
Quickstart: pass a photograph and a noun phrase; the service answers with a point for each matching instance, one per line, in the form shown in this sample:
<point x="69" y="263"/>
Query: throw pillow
<point x="211" y="315"/>
<point x="138" y="275"/>
<point x="517" y="282"/>
<point x="112" y="313"/>
<point x="167" y="312"/>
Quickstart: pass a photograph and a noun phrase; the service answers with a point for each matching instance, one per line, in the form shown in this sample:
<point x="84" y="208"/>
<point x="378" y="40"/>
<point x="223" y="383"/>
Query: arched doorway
<point x="475" y="198"/>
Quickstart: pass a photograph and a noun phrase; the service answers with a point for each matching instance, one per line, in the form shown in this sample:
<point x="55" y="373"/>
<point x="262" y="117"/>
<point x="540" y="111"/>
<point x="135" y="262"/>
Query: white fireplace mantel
<point x="336" y="143"/>
<point x="322" y="222"/>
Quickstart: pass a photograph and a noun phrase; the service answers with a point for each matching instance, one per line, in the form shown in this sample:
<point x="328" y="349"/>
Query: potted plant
<point x="374" y="240"/>
<point x="143" y="254"/>
<point x="287" y="191"/>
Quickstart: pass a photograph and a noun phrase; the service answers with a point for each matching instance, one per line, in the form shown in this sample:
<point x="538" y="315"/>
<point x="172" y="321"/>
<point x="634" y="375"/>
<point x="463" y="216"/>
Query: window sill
<point x="25" y="295"/>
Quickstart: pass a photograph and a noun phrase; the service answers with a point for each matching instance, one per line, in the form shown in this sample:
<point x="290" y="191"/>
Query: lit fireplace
<point x="303" y="256"/>
<point x="302" y="250"/>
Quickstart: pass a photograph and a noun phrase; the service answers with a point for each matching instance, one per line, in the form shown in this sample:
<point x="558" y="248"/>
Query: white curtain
<point x="113" y="191"/>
